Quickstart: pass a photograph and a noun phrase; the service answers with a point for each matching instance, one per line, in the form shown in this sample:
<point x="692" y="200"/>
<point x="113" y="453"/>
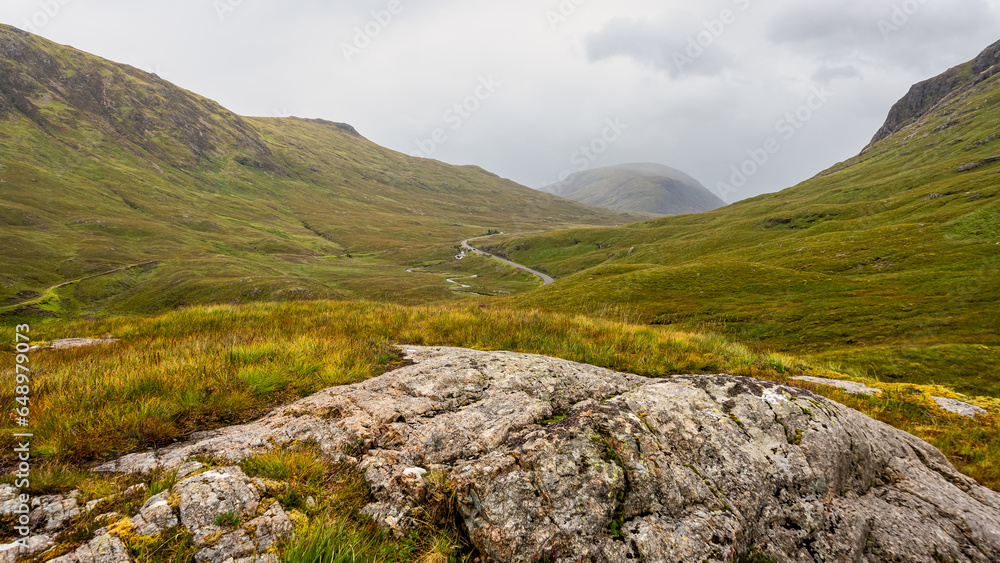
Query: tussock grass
<point x="211" y="366"/>
<point x="197" y="368"/>
<point x="324" y="499"/>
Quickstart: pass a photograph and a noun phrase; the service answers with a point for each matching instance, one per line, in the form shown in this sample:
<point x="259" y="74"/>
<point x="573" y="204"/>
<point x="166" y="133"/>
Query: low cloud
<point x="701" y="85"/>
<point x="677" y="47"/>
<point x="827" y="74"/>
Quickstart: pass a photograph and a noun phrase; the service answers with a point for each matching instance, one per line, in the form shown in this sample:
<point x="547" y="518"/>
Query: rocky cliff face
<point x="924" y="96"/>
<point x="552" y="457"/>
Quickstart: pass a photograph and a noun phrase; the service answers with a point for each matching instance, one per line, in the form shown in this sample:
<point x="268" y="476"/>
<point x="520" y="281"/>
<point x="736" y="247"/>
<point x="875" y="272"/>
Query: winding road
<point x="546" y="280"/>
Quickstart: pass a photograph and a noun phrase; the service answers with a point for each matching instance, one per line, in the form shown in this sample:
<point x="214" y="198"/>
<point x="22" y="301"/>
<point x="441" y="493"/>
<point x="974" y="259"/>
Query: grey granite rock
<point x="249" y="540"/>
<point x="210" y="495"/>
<point x="852" y="387"/>
<point x="188" y="468"/>
<point x="51" y="511"/>
<point x="691" y="468"/>
<point x="9" y="552"/>
<point x="959" y="407"/>
<point x="950" y="405"/>
<point x="102" y="549"/>
<point x="155" y="517"/>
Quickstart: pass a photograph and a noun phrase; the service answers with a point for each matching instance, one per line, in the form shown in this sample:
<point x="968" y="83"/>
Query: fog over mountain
<point x="707" y="84"/>
<point x="643" y="187"/>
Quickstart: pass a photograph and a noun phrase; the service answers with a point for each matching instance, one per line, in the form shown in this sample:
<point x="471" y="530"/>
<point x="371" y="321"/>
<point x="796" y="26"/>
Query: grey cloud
<point x="827" y="74"/>
<point x="911" y="34"/>
<point x="670" y="46"/>
<point x="606" y="60"/>
<point x="844" y="24"/>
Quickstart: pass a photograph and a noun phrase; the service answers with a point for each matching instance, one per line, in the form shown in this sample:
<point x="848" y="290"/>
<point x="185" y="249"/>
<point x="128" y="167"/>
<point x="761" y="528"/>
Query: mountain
<point x="119" y="190"/>
<point x="888" y="263"/>
<point x="646" y="188"/>
<point x="925" y="96"/>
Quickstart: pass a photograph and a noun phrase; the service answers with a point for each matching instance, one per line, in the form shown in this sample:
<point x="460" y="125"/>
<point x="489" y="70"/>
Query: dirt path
<point x="50" y="292"/>
<point x="546" y="280"/>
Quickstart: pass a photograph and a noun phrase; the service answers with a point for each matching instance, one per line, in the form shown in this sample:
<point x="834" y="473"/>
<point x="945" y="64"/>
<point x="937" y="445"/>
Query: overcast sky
<point x="700" y="86"/>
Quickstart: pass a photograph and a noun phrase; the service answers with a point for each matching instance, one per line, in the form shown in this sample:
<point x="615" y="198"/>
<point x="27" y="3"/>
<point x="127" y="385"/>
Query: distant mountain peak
<point x="640" y="187"/>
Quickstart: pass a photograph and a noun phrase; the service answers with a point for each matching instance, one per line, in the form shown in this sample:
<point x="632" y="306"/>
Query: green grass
<point x="170" y="187"/>
<point x="340" y="542"/>
<point x="227" y="520"/>
<point x="325" y="498"/>
<point x="263" y="284"/>
<point x="967" y="368"/>
<point x="187" y="370"/>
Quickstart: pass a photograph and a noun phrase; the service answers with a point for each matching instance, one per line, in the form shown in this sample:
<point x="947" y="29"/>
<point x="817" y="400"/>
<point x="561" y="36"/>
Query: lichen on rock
<point x="549" y="456"/>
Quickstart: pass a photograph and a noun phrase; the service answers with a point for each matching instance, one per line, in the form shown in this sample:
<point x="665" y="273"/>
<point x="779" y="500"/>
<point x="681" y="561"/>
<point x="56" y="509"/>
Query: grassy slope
<point x="888" y="263"/>
<point x="106" y="166"/>
<point x="209" y="217"/>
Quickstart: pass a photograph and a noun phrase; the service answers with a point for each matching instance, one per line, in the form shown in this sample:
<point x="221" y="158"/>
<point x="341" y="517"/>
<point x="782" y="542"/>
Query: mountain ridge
<point x="638" y="187"/>
<point x="924" y="96"/>
<point x="143" y="170"/>
<point x="887" y="262"/>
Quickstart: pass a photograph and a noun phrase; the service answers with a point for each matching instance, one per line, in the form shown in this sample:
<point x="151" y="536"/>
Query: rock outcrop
<point x="572" y="462"/>
<point x="924" y="96"/>
<point x="855" y="388"/>
<point x="207" y="504"/>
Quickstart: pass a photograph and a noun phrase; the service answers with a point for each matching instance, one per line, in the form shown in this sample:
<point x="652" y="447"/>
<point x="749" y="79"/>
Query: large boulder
<point x="552" y="457"/>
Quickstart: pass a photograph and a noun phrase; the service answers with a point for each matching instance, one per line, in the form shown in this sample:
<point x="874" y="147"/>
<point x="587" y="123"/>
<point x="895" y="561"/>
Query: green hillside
<point x="308" y="255"/>
<point x="889" y="262"/>
<point x="643" y="188"/>
<point x="110" y="170"/>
